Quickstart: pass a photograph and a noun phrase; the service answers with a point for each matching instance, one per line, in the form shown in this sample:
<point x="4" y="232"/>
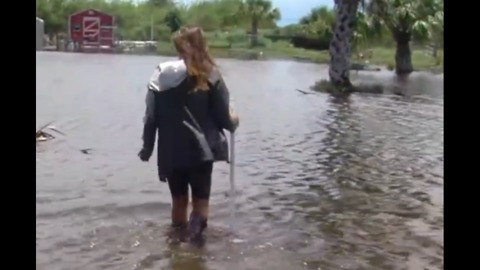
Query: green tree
<point x="366" y="31"/>
<point x="159" y="3"/>
<point x="140" y="20"/>
<point x="406" y="20"/>
<point x="319" y="14"/>
<point x="257" y="11"/>
<point x="173" y="20"/>
<point x="53" y="14"/>
<point x="319" y="23"/>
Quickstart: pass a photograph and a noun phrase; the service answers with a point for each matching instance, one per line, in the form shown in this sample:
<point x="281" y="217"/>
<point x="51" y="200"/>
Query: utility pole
<point x="151" y="27"/>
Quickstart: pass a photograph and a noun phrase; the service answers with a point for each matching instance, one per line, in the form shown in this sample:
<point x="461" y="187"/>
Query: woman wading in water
<point x="187" y="105"/>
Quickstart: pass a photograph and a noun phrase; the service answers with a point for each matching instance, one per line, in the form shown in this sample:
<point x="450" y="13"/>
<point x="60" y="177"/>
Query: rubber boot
<point x="178" y="233"/>
<point x="196" y="226"/>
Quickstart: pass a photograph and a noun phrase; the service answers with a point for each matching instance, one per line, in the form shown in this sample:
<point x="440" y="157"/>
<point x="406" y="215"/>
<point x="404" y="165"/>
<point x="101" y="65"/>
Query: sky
<point x="293" y="10"/>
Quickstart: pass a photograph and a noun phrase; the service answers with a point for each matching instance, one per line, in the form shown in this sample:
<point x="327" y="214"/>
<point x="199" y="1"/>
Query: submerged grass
<point x="42" y="135"/>
<point x="325" y="86"/>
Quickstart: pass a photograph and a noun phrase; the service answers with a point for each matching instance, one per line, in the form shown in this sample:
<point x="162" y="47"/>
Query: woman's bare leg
<point x="201" y="206"/>
<point x="179" y="211"/>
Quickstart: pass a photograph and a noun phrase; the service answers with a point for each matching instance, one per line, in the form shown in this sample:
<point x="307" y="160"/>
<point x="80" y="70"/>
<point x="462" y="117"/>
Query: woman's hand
<point x="144" y="155"/>
<point x="235" y="118"/>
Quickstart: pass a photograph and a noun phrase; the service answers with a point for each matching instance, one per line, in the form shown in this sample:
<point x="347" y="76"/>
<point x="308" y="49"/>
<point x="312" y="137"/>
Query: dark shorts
<point x="199" y="179"/>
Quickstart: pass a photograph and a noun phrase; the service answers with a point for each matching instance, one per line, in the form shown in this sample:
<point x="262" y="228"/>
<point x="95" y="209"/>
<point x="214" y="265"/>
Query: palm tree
<point x="320" y="22"/>
<point x="258" y="10"/>
<point x="340" y="45"/>
<point x="406" y="20"/>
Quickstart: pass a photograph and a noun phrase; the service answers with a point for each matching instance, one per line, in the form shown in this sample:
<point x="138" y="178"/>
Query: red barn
<point x="92" y="28"/>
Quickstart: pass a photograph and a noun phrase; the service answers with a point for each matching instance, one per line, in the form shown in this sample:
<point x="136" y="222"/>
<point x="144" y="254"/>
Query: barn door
<point x="91" y="30"/>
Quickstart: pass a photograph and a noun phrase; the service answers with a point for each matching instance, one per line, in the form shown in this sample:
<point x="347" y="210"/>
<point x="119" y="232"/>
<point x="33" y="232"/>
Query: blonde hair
<point x="192" y="47"/>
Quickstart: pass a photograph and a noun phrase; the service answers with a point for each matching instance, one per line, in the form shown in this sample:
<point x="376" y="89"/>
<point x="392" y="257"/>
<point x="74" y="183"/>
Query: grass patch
<point x="386" y="57"/>
<point x="237" y="45"/>
<point x="272" y="50"/>
<point x="284" y="48"/>
<point x="168" y="49"/>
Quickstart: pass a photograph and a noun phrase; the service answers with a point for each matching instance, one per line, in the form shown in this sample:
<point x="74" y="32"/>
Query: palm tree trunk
<point x="254" y="31"/>
<point x="403" y="54"/>
<point x="340" y="45"/>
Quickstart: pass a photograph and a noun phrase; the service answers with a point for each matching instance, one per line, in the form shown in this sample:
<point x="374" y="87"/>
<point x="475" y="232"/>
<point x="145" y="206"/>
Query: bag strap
<point x="185" y="107"/>
<point x="196" y="129"/>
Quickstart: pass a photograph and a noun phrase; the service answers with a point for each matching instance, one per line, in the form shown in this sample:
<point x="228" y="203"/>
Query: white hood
<point x="167" y="75"/>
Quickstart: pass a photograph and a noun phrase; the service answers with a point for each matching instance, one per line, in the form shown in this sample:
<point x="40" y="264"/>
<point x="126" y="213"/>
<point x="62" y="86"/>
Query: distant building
<point x="90" y="29"/>
<point x="40" y="34"/>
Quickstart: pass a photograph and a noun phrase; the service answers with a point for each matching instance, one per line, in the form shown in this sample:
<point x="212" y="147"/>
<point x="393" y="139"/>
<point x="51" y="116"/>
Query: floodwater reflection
<point x="323" y="183"/>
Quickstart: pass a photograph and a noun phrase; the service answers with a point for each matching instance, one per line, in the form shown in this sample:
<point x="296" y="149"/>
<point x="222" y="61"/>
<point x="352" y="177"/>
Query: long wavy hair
<point x="192" y="47"/>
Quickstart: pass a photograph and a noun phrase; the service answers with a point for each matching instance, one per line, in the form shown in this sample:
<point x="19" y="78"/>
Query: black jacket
<point x="189" y="122"/>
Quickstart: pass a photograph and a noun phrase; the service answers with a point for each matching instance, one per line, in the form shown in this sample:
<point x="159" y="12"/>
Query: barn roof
<point x="90" y="9"/>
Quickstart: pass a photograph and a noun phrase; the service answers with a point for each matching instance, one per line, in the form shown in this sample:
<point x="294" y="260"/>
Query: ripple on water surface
<point x="323" y="183"/>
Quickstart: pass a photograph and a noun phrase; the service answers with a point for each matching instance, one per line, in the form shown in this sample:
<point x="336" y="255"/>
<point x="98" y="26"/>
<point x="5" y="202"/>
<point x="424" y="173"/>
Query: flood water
<point x="323" y="183"/>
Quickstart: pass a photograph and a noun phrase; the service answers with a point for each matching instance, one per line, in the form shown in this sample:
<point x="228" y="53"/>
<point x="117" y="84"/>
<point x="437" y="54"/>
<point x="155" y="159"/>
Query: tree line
<point x="350" y="24"/>
<point x="135" y="19"/>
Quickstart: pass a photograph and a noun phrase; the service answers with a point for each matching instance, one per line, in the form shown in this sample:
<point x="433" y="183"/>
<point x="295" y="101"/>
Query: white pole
<point x="232" y="173"/>
<point x="232" y="180"/>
